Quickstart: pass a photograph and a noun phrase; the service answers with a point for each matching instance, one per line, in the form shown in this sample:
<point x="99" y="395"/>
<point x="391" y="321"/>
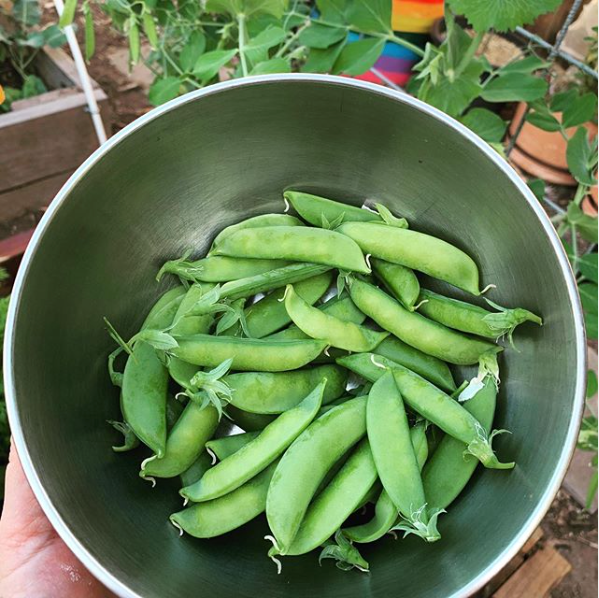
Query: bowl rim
<point x="106" y="577"/>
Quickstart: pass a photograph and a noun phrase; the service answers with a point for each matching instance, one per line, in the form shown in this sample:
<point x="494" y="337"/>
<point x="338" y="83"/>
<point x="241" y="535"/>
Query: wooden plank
<point x="16" y="202"/>
<point x="537" y="576"/>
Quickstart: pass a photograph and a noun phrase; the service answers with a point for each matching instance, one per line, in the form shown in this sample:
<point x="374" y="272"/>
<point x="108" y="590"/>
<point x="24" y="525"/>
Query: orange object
<point x="2" y="95"/>
<point x="415" y="16"/>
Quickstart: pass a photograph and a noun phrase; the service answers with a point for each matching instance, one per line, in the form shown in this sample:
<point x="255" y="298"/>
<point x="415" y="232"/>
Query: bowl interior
<point x="170" y="185"/>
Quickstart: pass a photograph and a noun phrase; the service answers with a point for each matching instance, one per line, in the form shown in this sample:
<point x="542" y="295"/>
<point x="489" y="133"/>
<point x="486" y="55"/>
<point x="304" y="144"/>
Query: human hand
<point x="34" y="561"/>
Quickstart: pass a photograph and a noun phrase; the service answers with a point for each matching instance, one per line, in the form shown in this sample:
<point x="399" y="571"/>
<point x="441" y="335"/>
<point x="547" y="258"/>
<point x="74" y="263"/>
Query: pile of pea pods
<point x="312" y="334"/>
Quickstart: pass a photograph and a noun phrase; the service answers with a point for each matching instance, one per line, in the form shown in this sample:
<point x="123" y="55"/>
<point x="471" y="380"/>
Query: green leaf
<point x="163" y="90"/>
<point x="370" y="16"/>
<point x="585" y="224"/>
<point x="193" y="49"/>
<point x="208" y="65"/>
<point x="276" y="8"/>
<point x="579" y="155"/>
<point x="515" y="87"/>
<point x="333" y="10"/>
<point x="232" y="7"/>
<point x="583" y="109"/>
<point x="356" y="58"/>
<point x="257" y="49"/>
<point x="157" y="339"/>
<point x="322" y="61"/>
<point x="591" y="384"/>
<point x="560" y="101"/>
<point x="525" y="65"/>
<point x="590" y="323"/>
<point x="542" y="118"/>
<point x="321" y="36"/>
<point x="537" y="186"/>
<point x="27" y="12"/>
<point x="588" y="297"/>
<point x="54" y="37"/>
<point x="274" y="65"/>
<point x="33" y="86"/>
<point x="502" y="15"/>
<point x="587" y="264"/>
<point x="487" y="124"/>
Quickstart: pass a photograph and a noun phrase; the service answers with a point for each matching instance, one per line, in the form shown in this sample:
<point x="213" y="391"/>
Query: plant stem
<point x="242" y="57"/>
<point x="574" y="249"/>
<point x="290" y="41"/>
<point x="469" y="54"/>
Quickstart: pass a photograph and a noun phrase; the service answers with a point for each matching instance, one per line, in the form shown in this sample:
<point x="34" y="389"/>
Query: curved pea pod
<point x="320" y="325"/>
<point x="196" y="470"/>
<point x="385" y="512"/>
<point x="269" y="314"/>
<point x="224" y="514"/>
<point x="266" y="392"/>
<point x="250" y="422"/>
<point x="145" y="381"/>
<point x="243" y="465"/>
<point x="427" y="366"/>
<point x="298" y="244"/>
<point x="327" y="213"/>
<point x="218" y="268"/>
<point x="224" y="447"/>
<point x="305" y="464"/>
<point x="344" y="493"/>
<point x="248" y="354"/>
<point x="449" y="470"/>
<point x="417" y="251"/>
<point x="257" y="222"/>
<point x="472" y="318"/>
<point x="184" y="444"/>
<point x="416" y="330"/>
<point x="431" y="403"/>
<point x="399" y="280"/>
<point x="393" y="452"/>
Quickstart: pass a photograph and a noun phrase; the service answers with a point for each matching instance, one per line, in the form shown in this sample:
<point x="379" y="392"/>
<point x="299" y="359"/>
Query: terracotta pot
<point x="543" y="153"/>
<point x="589" y="203"/>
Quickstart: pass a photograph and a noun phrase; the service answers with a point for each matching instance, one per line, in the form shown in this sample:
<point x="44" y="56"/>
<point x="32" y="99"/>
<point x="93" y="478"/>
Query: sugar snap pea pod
<point x="427" y="366"/>
<point x="401" y="281"/>
<point x="449" y="470"/>
<point x="174" y="409"/>
<point x="235" y="470"/>
<point x="320" y="325"/>
<point x="248" y="354"/>
<point x="298" y="244"/>
<point x="305" y="464"/>
<point x="145" y="381"/>
<point x="218" y="268"/>
<point x="257" y="222"/>
<point x="417" y="251"/>
<point x="196" y="470"/>
<point x="385" y="512"/>
<point x="336" y="502"/>
<point x="472" y="318"/>
<point x="130" y="440"/>
<point x="250" y="422"/>
<point x="416" y="330"/>
<point x="216" y="517"/>
<point x="395" y="458"/>
<point x="267" y="392"/>
<point x="226" y="446"/>
<point x="269" y="314"/>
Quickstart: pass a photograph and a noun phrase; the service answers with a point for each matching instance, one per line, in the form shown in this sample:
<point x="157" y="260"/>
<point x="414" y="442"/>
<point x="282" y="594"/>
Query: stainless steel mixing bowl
<point x="169" y="182"/>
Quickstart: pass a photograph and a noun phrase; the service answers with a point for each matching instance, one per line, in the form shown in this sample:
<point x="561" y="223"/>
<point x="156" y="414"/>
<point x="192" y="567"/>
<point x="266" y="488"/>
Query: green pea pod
<point x="306" y="463"/>
<point x="150" y="30"/>
<point x="266" y="392"/>
<point x="248" y="354"/>
<point x="449" y="470"/>
<point x="416" y="330"/>
<point x="395" y="458"/>
<point x="401" y="281"/>
<point x="322" y="326"/>
<point x="295" y="243"/>
<point x="256" y="222"/>
<point x="145" y="380"/>
<point x="226" y="446"/>
<point x="237" y="469"/>
<point x="196" y="470"/>
<point x="337" y="501"/>
<point x="218" y="268"/>
<point x="342" y="309"/>
<point x="269" y="314"/>
<point x="432" y="404"/>
<point x="224" y="514"/>
<point x="472" y="318"/>
<point x="320" y="211"/>
<point x="134" y="47"/>
<point x="427" y="366"/>
<point x="385" y="512"/>
<point x="417" y="251"/>
<point x="250" y="422"/>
